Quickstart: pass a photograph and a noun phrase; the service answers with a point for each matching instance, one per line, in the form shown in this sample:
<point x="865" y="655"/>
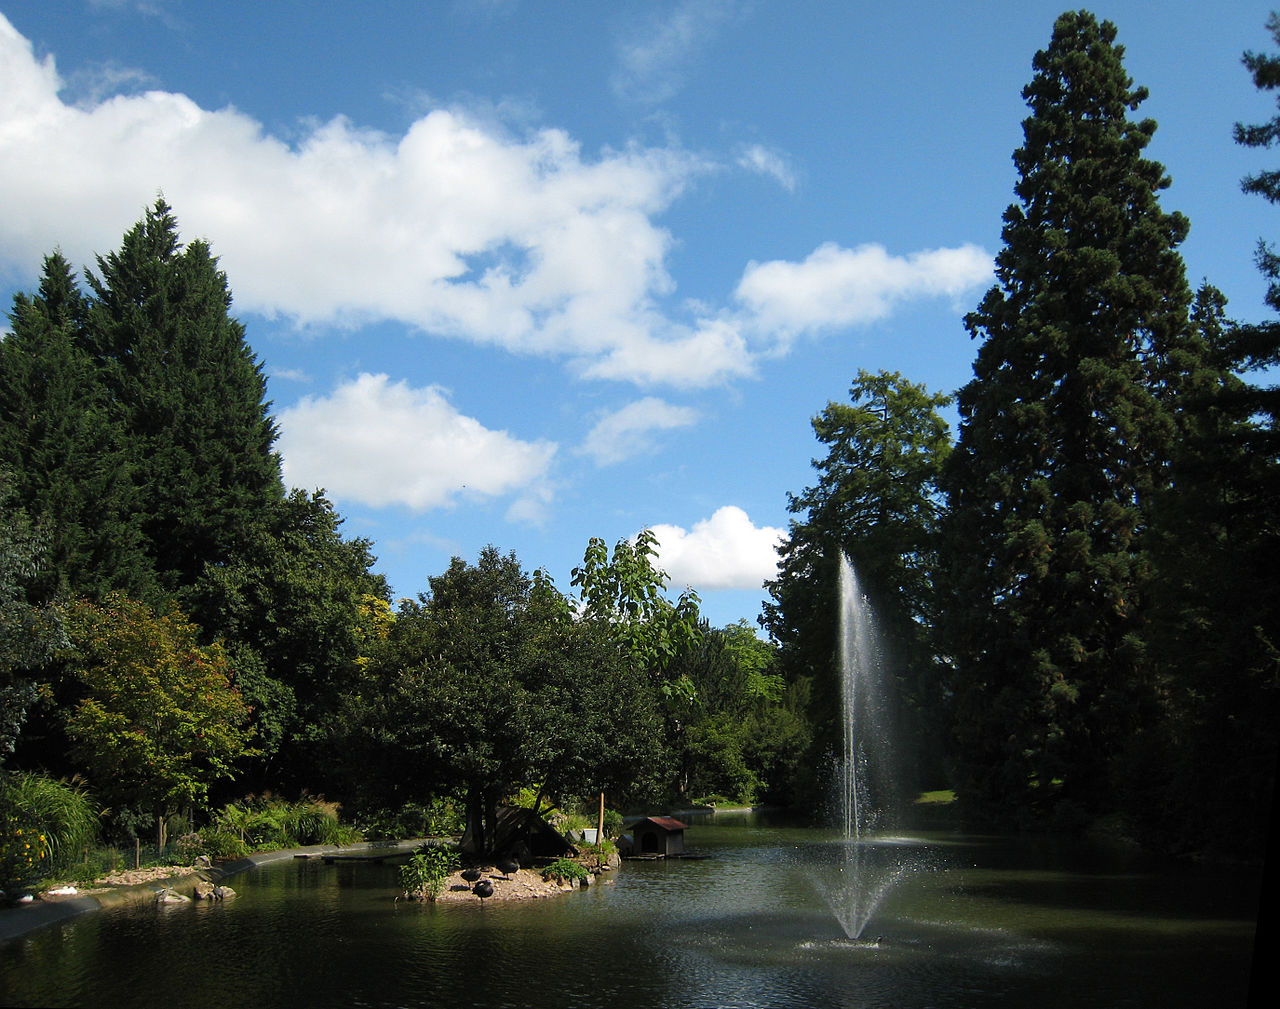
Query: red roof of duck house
<point x="665" y="822"/>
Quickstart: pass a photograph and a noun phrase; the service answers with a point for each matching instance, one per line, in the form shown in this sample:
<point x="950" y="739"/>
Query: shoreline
<point x="21" y="919"/>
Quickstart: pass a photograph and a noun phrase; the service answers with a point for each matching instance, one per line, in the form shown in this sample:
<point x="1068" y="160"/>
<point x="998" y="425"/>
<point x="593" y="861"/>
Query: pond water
<point x="978" y="921"/>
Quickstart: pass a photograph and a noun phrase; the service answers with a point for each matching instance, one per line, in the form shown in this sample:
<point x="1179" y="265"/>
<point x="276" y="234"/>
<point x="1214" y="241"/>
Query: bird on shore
<point x="471" y="875"/>
<point x="483" y="889"/>
<point x="507" y="865"/>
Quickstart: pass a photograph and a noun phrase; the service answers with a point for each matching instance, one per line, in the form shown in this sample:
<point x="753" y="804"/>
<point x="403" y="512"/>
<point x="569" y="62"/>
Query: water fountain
<point x="868" y="868"/>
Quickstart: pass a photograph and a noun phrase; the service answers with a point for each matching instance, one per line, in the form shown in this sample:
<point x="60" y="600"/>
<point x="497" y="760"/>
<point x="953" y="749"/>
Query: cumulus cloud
<point x="629" y="431"/>
<point x="383" y="443"/>
<point x="457" y="227"/>
<point x="760" y="159"/>
<point x="725" y="551"/>
<point x="835" y="286"/>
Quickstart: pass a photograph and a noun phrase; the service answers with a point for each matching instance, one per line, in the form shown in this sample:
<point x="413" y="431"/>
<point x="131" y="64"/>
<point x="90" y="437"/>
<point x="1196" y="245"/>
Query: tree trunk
<point x="491" y="817"/>
<point x="475" y="818"/>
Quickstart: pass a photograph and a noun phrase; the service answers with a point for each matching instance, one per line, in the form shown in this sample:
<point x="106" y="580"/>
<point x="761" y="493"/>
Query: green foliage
<point x="624" y="593"/>
<point x="1265" y="70"/>
<point x="484" y="685"/>
<point x="441" y="817"/>
<point x="267" y="823"/>
<point x="221" y="844"/>
<point x="565" y="870"/>
<point x="1064" y="442"/>
<point x="302" y="607"/>
<point x="877" y="499"/>
<point x="1200" y="779"/>
<point x="66" y="453"/>
<point x="30" y="633"/>
<point x="188" y="393"/>
<point x="426" y="872"/>
<point x="24" y="852"/>
<point x="44" y="826"/>
<point x="160" y="718"/>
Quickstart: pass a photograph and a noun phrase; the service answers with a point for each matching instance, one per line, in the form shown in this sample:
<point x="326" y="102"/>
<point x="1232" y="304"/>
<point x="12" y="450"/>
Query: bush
<point x="311" y="821"/>
<point x="268" y="823"/>
<point x="45" y="825"/>
<point x="564" y="870"/>
<point x="221" y="844"/>
<point x="424" y="875"/>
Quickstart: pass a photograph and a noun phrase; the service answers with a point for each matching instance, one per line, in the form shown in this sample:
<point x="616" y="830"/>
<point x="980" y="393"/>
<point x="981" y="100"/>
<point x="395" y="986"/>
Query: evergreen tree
<point x="1203" y="778"/>
<point x="877" y="501"/>
<point x="1063" y="444"/>
<point x="190" y="395"/>
<point x="67" y="459"/>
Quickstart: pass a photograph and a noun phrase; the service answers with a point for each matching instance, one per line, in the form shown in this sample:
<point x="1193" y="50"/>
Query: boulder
<point x="212" y="891"/>
<point x="171" y="896"/>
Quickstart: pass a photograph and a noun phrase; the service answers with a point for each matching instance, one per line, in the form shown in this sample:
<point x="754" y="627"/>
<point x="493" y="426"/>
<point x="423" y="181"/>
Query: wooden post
<point x="137" y="853"/>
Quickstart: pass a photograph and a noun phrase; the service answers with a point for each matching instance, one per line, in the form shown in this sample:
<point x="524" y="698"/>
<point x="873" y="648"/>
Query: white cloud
<point x="835" y="286"/>
<point x="652" y="63"/>
<point x="757" y="158"/>
<point x="723" y="552"/>
<point x="384" y="443"/>
<point x="713" y="352"/>
<point x="457" y="227"/>
<point x="628" y="432"/>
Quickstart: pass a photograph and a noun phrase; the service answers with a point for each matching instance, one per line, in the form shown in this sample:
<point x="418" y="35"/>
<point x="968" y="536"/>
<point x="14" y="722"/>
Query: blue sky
<point x="526" y="273"/>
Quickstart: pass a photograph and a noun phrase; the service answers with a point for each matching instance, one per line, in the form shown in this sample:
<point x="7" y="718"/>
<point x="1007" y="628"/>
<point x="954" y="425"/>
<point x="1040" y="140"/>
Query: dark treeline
<point x="1081" y="589"/>
<point x="1077" y="591"/>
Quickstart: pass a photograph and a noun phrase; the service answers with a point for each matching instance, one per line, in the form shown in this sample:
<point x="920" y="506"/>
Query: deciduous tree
<point x="160" y="718"/>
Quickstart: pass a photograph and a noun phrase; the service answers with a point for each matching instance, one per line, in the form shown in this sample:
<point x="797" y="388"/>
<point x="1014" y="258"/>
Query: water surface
<point x="980" y="921"/>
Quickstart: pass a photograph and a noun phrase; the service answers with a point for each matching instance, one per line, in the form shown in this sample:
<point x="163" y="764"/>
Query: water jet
<point x="867" y="870"/>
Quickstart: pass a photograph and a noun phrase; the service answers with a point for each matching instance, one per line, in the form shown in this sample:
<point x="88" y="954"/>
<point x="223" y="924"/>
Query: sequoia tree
<point x="1063" y="443"/>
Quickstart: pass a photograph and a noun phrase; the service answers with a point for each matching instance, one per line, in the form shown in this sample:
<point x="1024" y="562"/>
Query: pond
<point x="978" y="921"/>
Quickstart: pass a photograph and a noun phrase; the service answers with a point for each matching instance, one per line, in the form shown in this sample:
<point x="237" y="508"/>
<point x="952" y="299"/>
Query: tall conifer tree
<point x="67" y="459"/>
<point x="190" y="392"/>
<point x="1062" y="443"/>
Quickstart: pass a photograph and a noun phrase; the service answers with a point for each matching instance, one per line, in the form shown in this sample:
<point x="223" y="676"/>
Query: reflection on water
<point x="987" y="921"/>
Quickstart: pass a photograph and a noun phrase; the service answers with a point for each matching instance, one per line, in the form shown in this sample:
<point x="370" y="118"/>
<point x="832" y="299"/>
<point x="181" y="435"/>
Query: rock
<point x="63" y="891"/>
<point x="203" y="862"/>
<point x="171" y="896"/>
<point x="212" y="891"/>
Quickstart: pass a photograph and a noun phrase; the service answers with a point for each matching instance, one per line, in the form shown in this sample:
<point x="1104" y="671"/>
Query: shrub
<point x="424" y="875"/>
<point x="219" y="843"/>
<point x="564" y="870"/>
<point x="311" y="821"/>
<point x="45" y="824"/>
